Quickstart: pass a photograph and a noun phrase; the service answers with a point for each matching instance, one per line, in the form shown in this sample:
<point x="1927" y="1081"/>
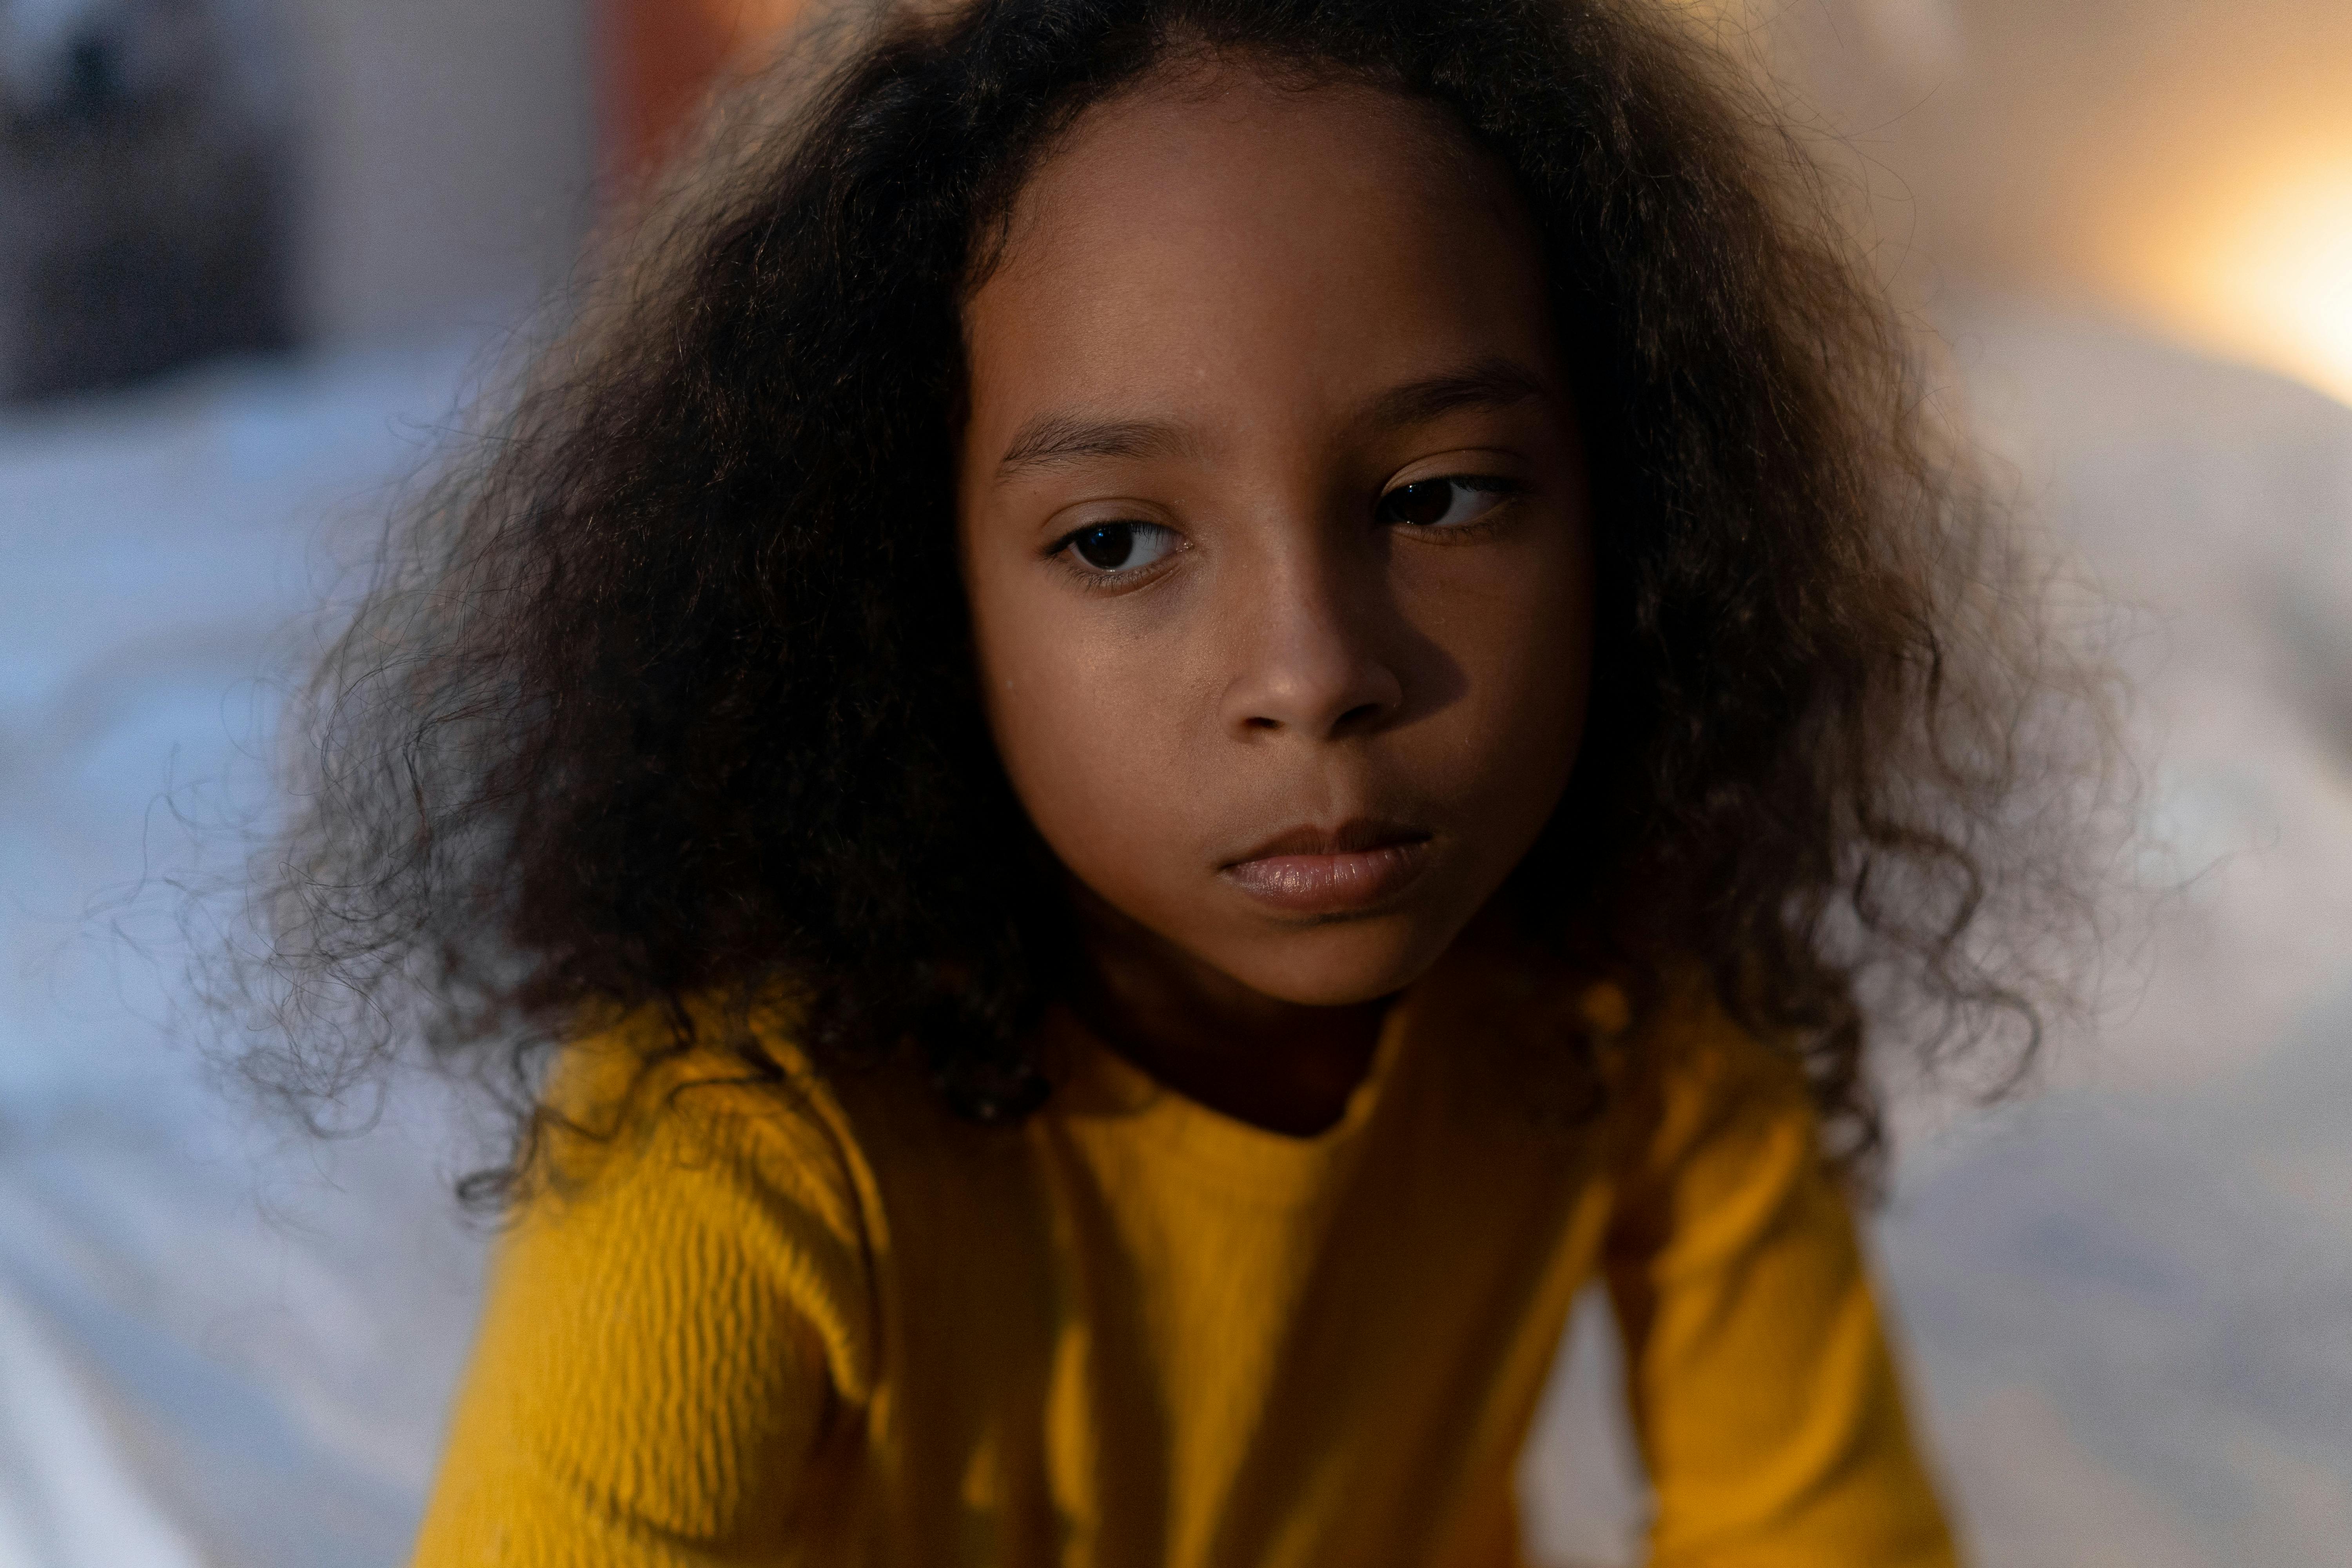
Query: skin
<point x="1230" y="321"/>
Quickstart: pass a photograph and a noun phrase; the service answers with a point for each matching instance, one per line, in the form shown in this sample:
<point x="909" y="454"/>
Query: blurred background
<point x="254" y="254"/>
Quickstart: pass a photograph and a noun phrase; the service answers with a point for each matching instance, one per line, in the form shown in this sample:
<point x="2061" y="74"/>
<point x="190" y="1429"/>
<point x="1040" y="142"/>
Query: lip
<point x="1354" y="867"/>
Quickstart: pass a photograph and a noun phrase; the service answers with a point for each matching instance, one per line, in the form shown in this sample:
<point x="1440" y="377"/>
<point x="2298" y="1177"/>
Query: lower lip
<point x="1331" y="884"/>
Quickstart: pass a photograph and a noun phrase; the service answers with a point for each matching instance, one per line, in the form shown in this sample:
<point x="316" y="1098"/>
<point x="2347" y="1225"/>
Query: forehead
<point x="1222" y="229"/>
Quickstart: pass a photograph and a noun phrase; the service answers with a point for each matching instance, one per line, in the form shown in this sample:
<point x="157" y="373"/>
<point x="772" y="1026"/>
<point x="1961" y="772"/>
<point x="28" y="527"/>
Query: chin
<point x="1341" y="963"/>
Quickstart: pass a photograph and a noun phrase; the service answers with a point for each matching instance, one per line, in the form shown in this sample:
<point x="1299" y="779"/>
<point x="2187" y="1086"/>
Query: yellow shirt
<point x="831" y="1323"/>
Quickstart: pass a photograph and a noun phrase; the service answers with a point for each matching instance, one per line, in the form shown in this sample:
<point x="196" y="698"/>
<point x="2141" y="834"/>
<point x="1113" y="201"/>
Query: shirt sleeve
<point x="664" y="1343"/>
<point x="1765" y="1399"/>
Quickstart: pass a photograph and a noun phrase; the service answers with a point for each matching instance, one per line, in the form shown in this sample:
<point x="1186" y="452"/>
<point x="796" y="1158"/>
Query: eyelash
<point x="1065" y="549"/>
<point x="1502" y="489"/>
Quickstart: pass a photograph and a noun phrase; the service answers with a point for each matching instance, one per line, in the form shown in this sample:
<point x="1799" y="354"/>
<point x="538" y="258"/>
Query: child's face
<point x="1273" y="520"/>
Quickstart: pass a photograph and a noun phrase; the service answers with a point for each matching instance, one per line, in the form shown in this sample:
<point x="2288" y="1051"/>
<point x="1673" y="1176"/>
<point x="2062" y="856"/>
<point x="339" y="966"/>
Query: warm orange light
<point x="2274" y="282"/>
<point x="661" y="56"/>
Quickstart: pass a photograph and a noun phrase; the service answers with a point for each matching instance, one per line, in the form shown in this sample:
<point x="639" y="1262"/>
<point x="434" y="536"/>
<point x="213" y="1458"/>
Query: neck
<point x="1281" y="1066"/>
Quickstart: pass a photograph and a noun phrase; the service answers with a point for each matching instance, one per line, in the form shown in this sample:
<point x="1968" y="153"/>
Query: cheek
<point x="1086" y="725"/>
<point x="1517" y="628"/>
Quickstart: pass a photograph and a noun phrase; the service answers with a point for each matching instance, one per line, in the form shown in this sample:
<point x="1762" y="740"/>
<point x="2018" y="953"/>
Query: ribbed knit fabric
<point x="833" y="1324"/>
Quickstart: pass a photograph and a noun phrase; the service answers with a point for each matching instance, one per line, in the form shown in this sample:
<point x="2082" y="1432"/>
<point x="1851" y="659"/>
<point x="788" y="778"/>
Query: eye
<point x="1120" y="547"/>
<point x="1448" y="502"/>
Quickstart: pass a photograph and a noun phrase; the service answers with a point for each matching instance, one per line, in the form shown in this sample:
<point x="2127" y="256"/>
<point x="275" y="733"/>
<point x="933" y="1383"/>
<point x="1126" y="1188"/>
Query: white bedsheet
<point x="218" y="1344"/>
<point x="2129" y="1299"/>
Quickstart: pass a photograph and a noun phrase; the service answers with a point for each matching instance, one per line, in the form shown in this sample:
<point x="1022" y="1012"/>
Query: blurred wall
<point x="659" y="58"/>
<point x="2184" y="164"/>
<point x="448" y="154"/>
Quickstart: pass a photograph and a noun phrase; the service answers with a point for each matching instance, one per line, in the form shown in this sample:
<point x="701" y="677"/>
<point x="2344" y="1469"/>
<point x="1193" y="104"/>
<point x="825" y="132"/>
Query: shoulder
<point x="1771" y="1413"/>
<point x="682" y="1299"/>
<point x="670" y="1176"/>
<point x="1711" y="1117"/>
<point x="728" y="1099"/>
<point x="1698" y="1067"/>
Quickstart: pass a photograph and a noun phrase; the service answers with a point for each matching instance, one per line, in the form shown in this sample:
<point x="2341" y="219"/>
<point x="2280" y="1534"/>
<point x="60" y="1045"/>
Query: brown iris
<point x="1419" y="504"/>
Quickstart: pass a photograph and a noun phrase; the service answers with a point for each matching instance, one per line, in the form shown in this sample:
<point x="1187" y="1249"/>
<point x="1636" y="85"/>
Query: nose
<point x="1309" y="653"/>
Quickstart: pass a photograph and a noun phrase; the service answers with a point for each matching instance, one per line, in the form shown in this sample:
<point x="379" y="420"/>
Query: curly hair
<point x="665" y="692"/>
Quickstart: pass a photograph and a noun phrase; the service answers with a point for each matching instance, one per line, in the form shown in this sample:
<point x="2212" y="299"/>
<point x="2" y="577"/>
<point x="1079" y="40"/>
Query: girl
<point x="1183" y="704"/>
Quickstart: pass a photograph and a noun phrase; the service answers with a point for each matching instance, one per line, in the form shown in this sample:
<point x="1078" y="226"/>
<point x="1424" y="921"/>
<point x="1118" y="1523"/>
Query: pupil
<point x="1422" y="503"/>
<point x="1106" y="549"/>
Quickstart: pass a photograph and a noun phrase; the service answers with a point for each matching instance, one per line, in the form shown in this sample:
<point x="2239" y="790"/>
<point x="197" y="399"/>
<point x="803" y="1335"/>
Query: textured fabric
<point x="829" y="1323"/>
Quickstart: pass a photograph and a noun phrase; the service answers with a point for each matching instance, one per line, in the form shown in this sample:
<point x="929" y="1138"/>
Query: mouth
<point x="1349" y="868"/>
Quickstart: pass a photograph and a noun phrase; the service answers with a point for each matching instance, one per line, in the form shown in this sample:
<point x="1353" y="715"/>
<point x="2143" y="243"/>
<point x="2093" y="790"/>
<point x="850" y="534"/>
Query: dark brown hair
<point x="665" y="693"/>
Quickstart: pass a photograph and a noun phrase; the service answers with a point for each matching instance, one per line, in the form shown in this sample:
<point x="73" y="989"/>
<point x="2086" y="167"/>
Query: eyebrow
<point x="1052" y="440"/>
<point x="1494" y="382"/>
<point x="1056" y="439"/>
